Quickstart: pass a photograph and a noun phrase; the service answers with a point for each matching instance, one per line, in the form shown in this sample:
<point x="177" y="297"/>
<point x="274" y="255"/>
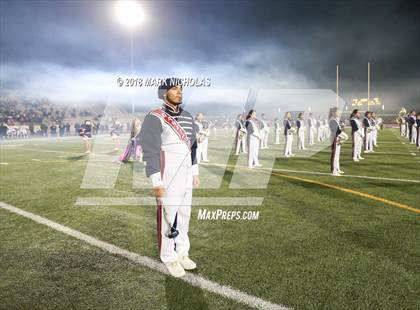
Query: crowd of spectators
<point x="21" y="119"/>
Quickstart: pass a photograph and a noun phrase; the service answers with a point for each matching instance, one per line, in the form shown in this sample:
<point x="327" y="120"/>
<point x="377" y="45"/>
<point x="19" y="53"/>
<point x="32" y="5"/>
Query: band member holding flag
<point x="168" y="141"/>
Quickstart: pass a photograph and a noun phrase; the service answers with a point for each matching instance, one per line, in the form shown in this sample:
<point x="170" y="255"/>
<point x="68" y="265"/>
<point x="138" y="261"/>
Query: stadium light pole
<point x="336" y="97"/>
<point x="130" y="15"/>
<point x="368" y="94"/>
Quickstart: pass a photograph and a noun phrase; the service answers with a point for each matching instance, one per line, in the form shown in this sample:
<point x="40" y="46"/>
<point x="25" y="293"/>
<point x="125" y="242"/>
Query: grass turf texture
<point x="312" y="247"/>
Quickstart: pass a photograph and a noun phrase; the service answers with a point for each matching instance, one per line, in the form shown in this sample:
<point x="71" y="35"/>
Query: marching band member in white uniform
<point x="312" y="129"/>
<point x="277" y="130"/>
<point x="337" y="138"/>
<point x="254" y="138"/>
<point x="377" y="123"/>
<point x="168" y="140"/>
<point x="203" y="134"/>
<point x="288" y="134"/>
<point x="412" y="127"/>
<point x="320" y="132"/>
<point x="264" y="131"/>
<point x="367" y="124"/>
<point x="357" y="135"/>
<point x="418" y="130"/>
<point x="241" y="132"/>
<point x="301" y="129"/>
<point x="327" y="133"/>
<point x="401" y="123"/>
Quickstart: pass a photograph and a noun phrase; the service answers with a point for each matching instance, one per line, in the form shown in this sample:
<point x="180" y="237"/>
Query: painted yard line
<point x="348" y="175"/>
<point x="151" y="201"/>
<point x="192" y="279"/>
<point x="320" y="173"/>
<point x="343" y="189"/>
<point x="351" y="191"/>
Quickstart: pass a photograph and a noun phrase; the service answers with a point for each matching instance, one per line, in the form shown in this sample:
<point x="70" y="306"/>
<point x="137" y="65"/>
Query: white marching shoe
<point x="175" y="269"/>
<point x="336" y="174"/>
<point x="361" y="158"/>
<point x="187" y="263"/>
<point x="340" y="171"/>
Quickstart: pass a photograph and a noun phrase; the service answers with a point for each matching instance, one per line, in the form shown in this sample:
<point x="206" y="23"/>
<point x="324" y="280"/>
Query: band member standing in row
<point x="288" y="134"/>
<point x="418" y="130"/>
<point x="412" y="130"/>
<point x="401" y="123"/>
<point x="115" y="134"/>
<point x="301" y="129"/>
<point x="277" y="130"/>
<point x="202" y="138"/>
<point x="377" y="121"/>
<point x="168" y="140"/>
<point x="85" y="132"/>
<point x="321" y="129"/>
<point x="253" y="140"/>
<point x="240" y="139"/>
<point x="335" y="129"/>
<point x="264" y="131"/>
<point x="368" y="125"/>
<point x="357" y="135"/>
<point x="312" y="129"/>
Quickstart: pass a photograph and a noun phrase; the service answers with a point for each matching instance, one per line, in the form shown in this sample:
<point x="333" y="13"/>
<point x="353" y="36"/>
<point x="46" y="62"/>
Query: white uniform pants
<point x="414" y="134"/>
<point x="240" y="143"/>
<point x="253" y="148"/>
<point x="199" y="151"/>
<point x="402" y="130"/>
<point x="265" y="140"/>
<point x="375" y="136"/>
<point x="311" y="135"/>
<point x="175" y="207"/>
<point x="320" y="134"/>
<point x="277" y="134"/>
<point x="262" y="140"/>
<point x="335" y="157"/>
<point x="301" y="139"/>
<point x="205" y="148"/>
<point x="288" y="145"/>
<point x="368" y="140"/>
<point x="357" y="146"/>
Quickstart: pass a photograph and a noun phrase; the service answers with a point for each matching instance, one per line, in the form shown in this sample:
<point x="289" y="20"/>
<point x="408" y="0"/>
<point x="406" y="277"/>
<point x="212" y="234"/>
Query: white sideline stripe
<point x="5" y="164"/>
<point x="151" y="201"/>
<point x="145" y="261"/>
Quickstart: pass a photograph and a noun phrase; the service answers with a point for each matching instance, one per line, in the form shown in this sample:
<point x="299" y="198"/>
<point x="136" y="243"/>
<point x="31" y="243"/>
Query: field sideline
<point x="320" y="241"/>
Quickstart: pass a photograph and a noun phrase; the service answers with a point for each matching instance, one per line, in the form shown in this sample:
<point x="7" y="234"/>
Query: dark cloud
<point x="289" y="44"/>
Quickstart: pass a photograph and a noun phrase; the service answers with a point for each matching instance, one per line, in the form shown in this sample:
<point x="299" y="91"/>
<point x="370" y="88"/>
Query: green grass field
<point x="313" y="246"/>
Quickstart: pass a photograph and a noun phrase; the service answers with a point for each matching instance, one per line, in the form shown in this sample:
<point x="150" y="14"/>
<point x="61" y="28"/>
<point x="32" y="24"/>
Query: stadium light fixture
<point x="129" y="13"/>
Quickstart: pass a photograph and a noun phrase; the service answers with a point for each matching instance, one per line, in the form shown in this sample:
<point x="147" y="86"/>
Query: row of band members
<point x="252" y="135"/>
<point x="409" y="124"/>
